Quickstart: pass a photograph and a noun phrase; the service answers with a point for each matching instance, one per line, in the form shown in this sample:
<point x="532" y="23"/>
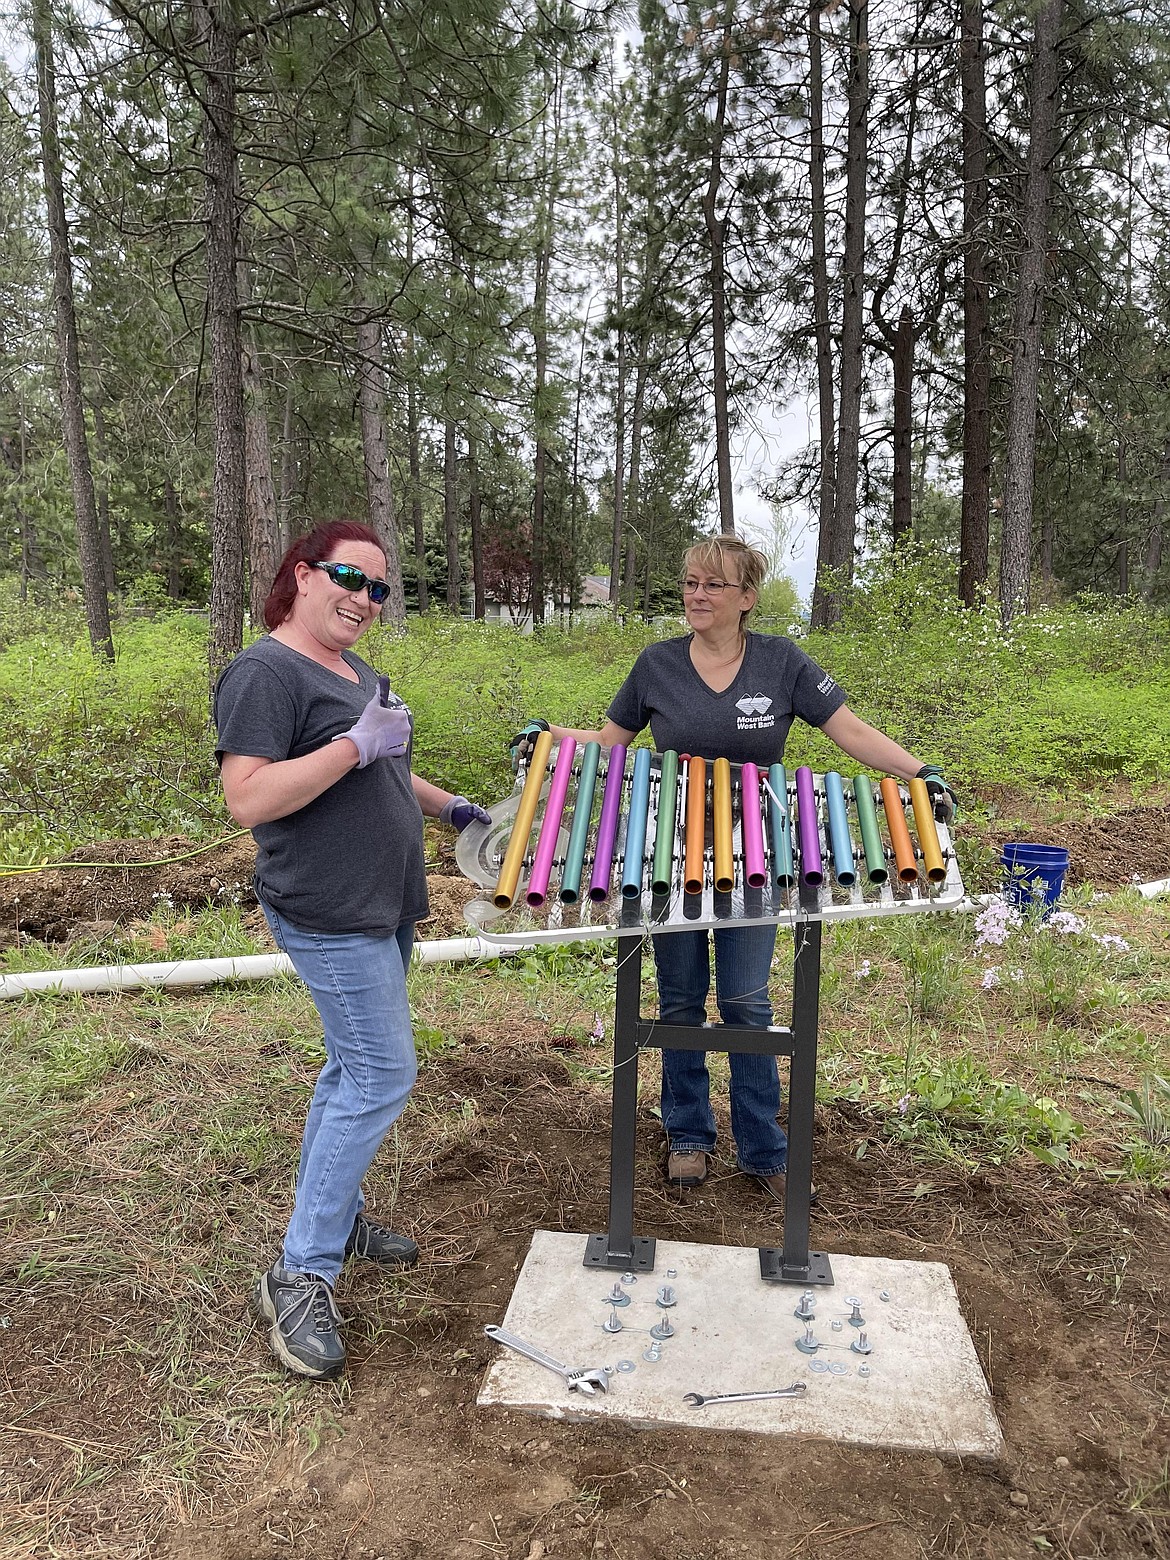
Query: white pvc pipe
<point x="202" y="972"/>
<point x="1152" y="890"/>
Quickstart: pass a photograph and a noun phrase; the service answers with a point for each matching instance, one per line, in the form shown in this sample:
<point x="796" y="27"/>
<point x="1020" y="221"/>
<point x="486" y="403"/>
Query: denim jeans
<point x="743" y="958"/>
<point x="358" y="984"/>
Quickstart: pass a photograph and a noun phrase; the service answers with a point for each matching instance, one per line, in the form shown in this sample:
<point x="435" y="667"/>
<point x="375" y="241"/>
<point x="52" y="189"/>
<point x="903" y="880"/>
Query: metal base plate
<point x="598" y="1255"/>
<point x="819" y="1270"/>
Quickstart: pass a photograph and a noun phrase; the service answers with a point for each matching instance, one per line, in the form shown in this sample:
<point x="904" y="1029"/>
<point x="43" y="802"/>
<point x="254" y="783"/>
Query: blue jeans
<point x="743" y="958"/>
<point x="358" y="985"/>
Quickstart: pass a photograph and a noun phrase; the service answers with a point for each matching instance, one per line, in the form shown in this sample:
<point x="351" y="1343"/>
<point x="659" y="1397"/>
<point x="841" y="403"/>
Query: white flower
<point x="990" y="978"/>
<point x="1110" y="941"/>
<point x="864" y="970"/>
<point x="995" y="923"/>
<point x="1065" y="922"/>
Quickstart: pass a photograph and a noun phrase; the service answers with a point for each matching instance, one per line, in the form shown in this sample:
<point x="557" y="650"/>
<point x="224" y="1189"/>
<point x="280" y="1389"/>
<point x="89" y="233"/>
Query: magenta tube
<point x="550" y="828"/>
<point x="811" y="870"/>
<point x="752" y="825"/>
<point x="607" y="824"/>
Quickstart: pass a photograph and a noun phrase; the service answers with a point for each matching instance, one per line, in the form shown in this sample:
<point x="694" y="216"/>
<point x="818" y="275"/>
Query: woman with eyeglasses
<point x="314" y="756"/>
<point x="723" y="691"/>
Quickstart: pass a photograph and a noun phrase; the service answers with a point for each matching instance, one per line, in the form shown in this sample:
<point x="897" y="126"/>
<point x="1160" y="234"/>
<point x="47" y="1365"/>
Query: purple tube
<point x="550" y="829"/>
<point x="607" y="824"/>
<point x="751" y="822"/>
<point x="811" y="871"/>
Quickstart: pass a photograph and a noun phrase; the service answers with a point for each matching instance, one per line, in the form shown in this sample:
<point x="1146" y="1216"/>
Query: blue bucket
<point x="1033" y="876"/>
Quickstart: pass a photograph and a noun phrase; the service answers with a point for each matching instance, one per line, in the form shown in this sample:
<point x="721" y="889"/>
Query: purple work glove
<point x="459" y="812"/>
<point x="382" y="729"/>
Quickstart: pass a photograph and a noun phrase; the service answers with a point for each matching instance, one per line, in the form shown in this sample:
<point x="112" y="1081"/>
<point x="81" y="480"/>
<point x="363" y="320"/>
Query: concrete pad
<point x="736" y="1333"/>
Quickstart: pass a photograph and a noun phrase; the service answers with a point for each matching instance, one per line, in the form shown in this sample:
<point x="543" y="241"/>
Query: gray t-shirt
<point x="352" y="859"/>
<point x="747" y="723"/>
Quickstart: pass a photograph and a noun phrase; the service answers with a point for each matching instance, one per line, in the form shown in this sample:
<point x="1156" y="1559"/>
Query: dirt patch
<point x="122" y="881"/>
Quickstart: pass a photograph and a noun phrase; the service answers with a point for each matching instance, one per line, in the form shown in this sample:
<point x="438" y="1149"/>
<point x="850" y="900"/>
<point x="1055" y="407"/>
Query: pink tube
<point x="752" y="825"/>
<point x="546" y="844"/>
<point x="607" y="824"/>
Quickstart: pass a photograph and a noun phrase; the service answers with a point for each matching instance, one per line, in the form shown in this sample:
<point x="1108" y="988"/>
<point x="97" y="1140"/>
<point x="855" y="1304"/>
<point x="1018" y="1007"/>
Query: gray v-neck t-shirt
<point x="748" y="722"/>
<point x="352" y="859"/>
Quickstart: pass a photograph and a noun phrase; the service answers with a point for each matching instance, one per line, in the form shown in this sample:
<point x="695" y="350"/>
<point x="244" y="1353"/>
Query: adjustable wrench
<point x="580" y="1380"/>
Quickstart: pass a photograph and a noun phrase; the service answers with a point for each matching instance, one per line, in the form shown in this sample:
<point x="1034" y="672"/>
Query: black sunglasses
<point x="348" y="577"/>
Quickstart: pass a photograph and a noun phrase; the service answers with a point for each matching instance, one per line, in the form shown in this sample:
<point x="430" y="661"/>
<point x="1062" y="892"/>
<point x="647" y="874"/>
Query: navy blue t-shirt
<point x="748" y="722"/>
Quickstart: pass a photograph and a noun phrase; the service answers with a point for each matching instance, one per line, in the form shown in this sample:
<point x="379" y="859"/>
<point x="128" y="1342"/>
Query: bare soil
<point x="1062" y="1283"/>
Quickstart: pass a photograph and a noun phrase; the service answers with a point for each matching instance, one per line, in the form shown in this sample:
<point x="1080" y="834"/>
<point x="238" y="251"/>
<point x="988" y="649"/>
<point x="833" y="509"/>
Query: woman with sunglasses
<point x="314" y="756"/>
<point x="725" y="692"/>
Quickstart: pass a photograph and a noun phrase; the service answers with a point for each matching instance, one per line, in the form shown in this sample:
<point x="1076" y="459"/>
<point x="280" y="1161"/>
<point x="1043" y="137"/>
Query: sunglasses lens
<point x="378" y="590"/>
<point x="345" y="575"/>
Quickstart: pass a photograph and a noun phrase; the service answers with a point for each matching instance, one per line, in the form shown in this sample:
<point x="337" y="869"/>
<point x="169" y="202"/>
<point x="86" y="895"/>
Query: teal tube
<point x="634" y="864"/>
<point x="780" y="827"/>
<point x="871" y="839"/>
<point x="579" y="833"/>
<point x="662" y="872"/>
<point x="840" y="840"/>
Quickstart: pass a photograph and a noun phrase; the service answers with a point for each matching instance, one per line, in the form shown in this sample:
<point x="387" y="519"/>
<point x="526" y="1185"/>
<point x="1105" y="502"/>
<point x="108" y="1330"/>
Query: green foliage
<point x="1146" y="1114"/>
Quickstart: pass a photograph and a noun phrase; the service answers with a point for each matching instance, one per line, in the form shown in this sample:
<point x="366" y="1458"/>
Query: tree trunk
<point x="218" y="34"/>
<point x="827" y="476"/>
<point x="451" y="518"/>
<point x="717" y="238"/>
<point x="474" y="508"/>
<point x="1152" y="556"/>
<point x="288" y="470"/>
<point x="619" y="443"/>
<point x="903" y="423"/>
<point x="259" y="493"/>
<point x="32" y="565"/>
<point x="835" y="558"/>
<point x="974" y="524"/>
<point x="102" y="494"/>
<point x="97" y="605"/>
<point x="1015" y="560"/>
<point x="172" y="541"/>
<point x="416" y="508"/>
<point x="376" y="458"/>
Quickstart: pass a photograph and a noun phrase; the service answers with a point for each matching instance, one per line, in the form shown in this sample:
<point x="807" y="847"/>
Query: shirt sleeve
<point x="815" y="696"/>
<point x="254" y="713"/>
<point x="629" y="709"/>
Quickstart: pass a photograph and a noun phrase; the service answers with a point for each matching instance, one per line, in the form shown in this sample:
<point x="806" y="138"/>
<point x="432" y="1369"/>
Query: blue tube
<point x="635" y="861"/>
<point x="839" y="836"/>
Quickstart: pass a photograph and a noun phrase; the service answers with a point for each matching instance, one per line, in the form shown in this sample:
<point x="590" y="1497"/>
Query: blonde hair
<point x="736" y="561"/>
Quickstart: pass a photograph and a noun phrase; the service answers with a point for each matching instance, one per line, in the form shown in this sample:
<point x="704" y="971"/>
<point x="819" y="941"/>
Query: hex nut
<point x="864" y="1370"/>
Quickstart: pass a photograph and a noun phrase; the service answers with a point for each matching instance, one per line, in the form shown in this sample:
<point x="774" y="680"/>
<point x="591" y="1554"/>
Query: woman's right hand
<point x="524" y="741"/>
<point x="382" y="729"/>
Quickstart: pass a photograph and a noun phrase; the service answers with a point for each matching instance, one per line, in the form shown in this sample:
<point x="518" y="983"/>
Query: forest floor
<point x="1062" y="1280"/>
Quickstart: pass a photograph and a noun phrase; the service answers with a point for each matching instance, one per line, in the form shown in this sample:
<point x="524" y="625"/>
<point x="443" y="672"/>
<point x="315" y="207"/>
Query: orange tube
<point x="721" y="808"/>
<point x="932" y="857"/>
<point x="695" y="825"/>
<point x="505" y="890"/>
<point x="899" y="833"/>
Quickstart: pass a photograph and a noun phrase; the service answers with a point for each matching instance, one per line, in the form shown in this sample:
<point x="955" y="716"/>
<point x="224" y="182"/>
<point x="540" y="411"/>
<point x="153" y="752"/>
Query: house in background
<point x="517" y="613"/>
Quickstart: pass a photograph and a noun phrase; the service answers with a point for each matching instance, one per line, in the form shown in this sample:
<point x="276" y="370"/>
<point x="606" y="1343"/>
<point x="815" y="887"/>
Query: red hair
<point x="318" y="545"/>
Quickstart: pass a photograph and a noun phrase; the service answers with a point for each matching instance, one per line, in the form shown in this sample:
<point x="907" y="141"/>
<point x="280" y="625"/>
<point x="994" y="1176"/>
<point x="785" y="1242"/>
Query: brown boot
<point x="689" y="1169"/>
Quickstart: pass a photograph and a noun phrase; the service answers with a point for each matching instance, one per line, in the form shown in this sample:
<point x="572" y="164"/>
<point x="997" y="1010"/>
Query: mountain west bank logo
<point x="754" y="714"/>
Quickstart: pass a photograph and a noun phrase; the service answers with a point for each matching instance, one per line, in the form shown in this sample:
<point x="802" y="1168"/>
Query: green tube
<point x="663" y="870"/>
<point x="579" y="833"/>
<point x="779" y="827"/>
<point x="871" y="840"/>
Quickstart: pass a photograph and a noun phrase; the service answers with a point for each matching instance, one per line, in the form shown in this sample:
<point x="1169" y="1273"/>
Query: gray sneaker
<point x="375" y="1243"/>
<point x="304" y="1320"/>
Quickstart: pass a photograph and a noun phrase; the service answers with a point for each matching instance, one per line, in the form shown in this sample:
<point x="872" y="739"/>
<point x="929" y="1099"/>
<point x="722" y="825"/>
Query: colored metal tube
<point x="579" y="833"/>
<point x="811" y="869"/>
<point x="904" y="858"/>
<point x="635" y="862"/>
<point x="751" y="826"/>
<point x="780" y="826"/>
<point x="721" y="815"/>
<point x="840" y="840"/>
<point x="611" y="807"/>
<point x="662" y="871"/>
<point x="696" y="823"/>
<point x="550" y="829"/>
<point x="505" y="890"/>
<point x="932" y="857"/>
<point x="867" y="822"/>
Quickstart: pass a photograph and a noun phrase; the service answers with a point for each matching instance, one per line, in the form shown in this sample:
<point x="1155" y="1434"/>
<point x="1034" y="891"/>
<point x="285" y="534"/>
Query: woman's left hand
<point x="459" y="812"/>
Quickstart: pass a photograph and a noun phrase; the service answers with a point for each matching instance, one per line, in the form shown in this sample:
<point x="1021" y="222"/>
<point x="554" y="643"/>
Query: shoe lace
<point x="319" y="1302"/>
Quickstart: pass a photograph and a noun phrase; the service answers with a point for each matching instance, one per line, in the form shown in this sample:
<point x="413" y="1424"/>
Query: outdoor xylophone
<point x="588" y="846"/>
<point x="591" y="844"/>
